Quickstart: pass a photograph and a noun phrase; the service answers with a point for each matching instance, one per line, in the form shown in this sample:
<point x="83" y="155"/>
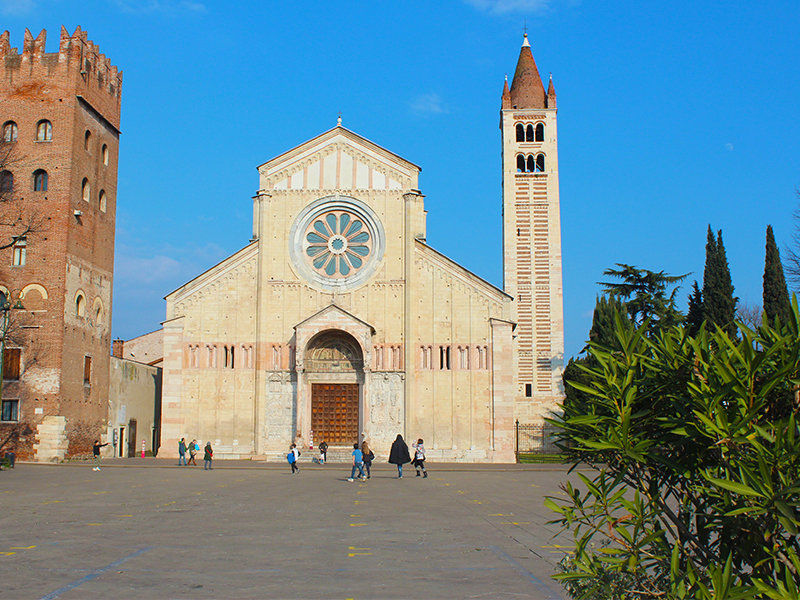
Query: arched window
<point x="520" y="132"/>
<point x="105" y="155"/>
<point x="40" y="180"/>
<point x="540" y="163"/>
<point x="98" y="315"/>
<point x="520" y="164"/>
<point x="103" y="201"/>
<point x="540" y="132"/>
<point x="531" y="164"/>
<point x="10" y="131"/>
<point x="85" y="191"/>
<point x="86" y="139"/>
<point x="6" y="182"/>
<point x="529" y="133"/>
<point x="44" y="131"/>
<point x="80" y="306"/>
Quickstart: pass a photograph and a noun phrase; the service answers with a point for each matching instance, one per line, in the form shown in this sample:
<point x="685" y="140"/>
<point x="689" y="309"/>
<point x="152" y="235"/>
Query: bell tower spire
<point x="527" y="90"/>
<point x="532" y="238"/>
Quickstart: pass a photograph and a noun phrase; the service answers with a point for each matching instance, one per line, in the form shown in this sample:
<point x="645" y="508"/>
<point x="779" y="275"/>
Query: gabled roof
<point x="334" y="308"/>
<point x="289" y="155"/>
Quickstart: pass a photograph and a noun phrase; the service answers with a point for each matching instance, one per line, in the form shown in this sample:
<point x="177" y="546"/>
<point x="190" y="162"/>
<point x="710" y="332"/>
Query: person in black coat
<point x="398" y="455"/>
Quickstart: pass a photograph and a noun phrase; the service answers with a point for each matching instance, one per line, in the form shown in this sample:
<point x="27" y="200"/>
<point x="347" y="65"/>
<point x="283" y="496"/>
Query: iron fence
<point x="535" y="439"/>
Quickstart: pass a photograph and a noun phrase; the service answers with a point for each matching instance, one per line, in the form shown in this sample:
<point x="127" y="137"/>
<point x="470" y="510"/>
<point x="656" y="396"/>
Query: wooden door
<point x="334" y="413"/>
<point x="132" y="438"/>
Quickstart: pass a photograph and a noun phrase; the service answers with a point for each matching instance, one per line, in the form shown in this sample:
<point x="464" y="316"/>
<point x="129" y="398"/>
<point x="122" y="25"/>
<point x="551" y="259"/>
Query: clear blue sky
<point x="671" y="116"/>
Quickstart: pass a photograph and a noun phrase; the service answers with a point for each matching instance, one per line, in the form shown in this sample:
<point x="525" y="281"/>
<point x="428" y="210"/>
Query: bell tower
<point x="532" y="237"/>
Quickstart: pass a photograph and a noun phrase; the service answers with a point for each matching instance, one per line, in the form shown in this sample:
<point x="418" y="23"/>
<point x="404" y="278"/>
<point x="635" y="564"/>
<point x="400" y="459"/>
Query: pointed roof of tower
<point x="527" y="90"/>
<point x="551" y="94"/>
<point x="506" y="94"/>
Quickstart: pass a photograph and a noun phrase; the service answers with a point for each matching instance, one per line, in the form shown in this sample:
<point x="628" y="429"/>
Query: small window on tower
<point x="103" y="201"/>
<point x="44" y="131"/>
<point x="529" y="133"/>
<point x="85" y="190"/>
<point x="105" y="155"/>
<point x="86" y="139"/>
<point x="531" y="164"/>
<point x="520" y="132"/>
<point x="6" y="182"/>
<point x="540" y="132"/>
<point x="80" y="306"/>
<point x="11" y="362"/>
<point x="40" y="181"/>
<point x="520" y="164"/>
<point x="87" y="370"/>
<point x="528" y="390"/>
<point x="20" y="248"/>
<point x="10" y="410"/>
<point x="10" y="131"/>
<point x="540" y="163"/>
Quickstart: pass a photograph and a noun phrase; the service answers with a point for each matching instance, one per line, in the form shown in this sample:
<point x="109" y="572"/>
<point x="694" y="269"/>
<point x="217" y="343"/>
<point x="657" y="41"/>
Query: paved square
<point x="147" y="529"/>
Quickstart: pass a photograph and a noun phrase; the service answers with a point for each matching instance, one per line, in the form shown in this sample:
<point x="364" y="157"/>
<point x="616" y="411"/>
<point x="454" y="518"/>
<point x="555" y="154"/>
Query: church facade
<point x="338" y="322"/>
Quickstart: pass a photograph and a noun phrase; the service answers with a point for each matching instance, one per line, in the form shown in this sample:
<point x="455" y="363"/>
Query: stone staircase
<point x="335" y="455"/>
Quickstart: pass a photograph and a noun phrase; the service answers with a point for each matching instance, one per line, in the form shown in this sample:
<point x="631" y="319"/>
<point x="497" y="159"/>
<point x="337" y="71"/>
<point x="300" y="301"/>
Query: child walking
<point x="419" y="457"/>
<point x="358" y="463"/>
<point x="292" y="457"/>
<point x="369" y="456"/>
<point x="208" y="456"/>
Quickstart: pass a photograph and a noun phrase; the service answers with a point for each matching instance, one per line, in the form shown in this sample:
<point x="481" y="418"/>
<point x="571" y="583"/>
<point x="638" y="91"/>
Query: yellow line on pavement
<point x="22" y="547"/>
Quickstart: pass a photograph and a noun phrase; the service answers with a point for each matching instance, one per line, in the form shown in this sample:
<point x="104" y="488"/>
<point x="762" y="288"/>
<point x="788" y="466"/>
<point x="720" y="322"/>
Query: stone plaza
<point x="147" y="528"/>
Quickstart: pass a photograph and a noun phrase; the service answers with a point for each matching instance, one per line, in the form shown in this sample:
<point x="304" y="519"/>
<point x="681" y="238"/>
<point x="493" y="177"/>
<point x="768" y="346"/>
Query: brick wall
<point x="72" y="255"/>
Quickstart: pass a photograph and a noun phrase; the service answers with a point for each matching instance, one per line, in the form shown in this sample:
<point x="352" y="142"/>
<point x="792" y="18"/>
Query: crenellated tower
<point x="532" y="236"/>
<point x="60" y="117"/>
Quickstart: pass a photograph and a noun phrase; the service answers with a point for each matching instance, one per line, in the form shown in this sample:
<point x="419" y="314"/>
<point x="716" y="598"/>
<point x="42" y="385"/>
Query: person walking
<point x="292" y="457"/>
<point x="398" y="455"/>
<point x="96" y="454"/>
<point x="369" y="456"/>
<point x="323" y="453"/>
<point x="182" y="452"/>
<point x="419" y="457"/>
<point x="208" y="456"/>
<point x="358" y="463"/>
<point x="193" y="448"/>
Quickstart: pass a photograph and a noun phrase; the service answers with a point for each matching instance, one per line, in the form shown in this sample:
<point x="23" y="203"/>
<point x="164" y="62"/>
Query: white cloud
<point x="16" y="8"/>
<point x="428" y="104"/>
<point x="505" y="7"/>
<point x="729" y="147"/>
<point x="134" y="270"/>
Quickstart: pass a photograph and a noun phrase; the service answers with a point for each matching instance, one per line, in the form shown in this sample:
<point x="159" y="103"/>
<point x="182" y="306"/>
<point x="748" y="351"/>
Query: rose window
<point x="338" y="244"/>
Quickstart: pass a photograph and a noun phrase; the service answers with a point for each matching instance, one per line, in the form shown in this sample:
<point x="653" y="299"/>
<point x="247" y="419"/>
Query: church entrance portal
<point x="335" y="369"/>
<point x="334" y="413"/>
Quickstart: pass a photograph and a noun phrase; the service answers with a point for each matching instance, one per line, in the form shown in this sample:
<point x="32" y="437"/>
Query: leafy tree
<point x="696" y="487"/>
<point x="719" y="303"/>
<point x="645" y="294"/>
<point x="694" y="314"/>
<point x="602" y="332"/>
<point x="776" y="294"/>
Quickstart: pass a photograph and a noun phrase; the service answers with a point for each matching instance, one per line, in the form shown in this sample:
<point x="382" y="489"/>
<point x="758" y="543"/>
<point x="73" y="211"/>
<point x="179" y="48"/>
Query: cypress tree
<point x="604" y="319"/>
<point x="694" y="315"/>
<point x="719" y="303"/>
<point x="776" y="294"/>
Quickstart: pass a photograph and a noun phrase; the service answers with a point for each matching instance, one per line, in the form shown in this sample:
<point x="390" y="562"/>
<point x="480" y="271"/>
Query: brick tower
<point x="60" y="117"/>
<point x="532" y="237"/>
